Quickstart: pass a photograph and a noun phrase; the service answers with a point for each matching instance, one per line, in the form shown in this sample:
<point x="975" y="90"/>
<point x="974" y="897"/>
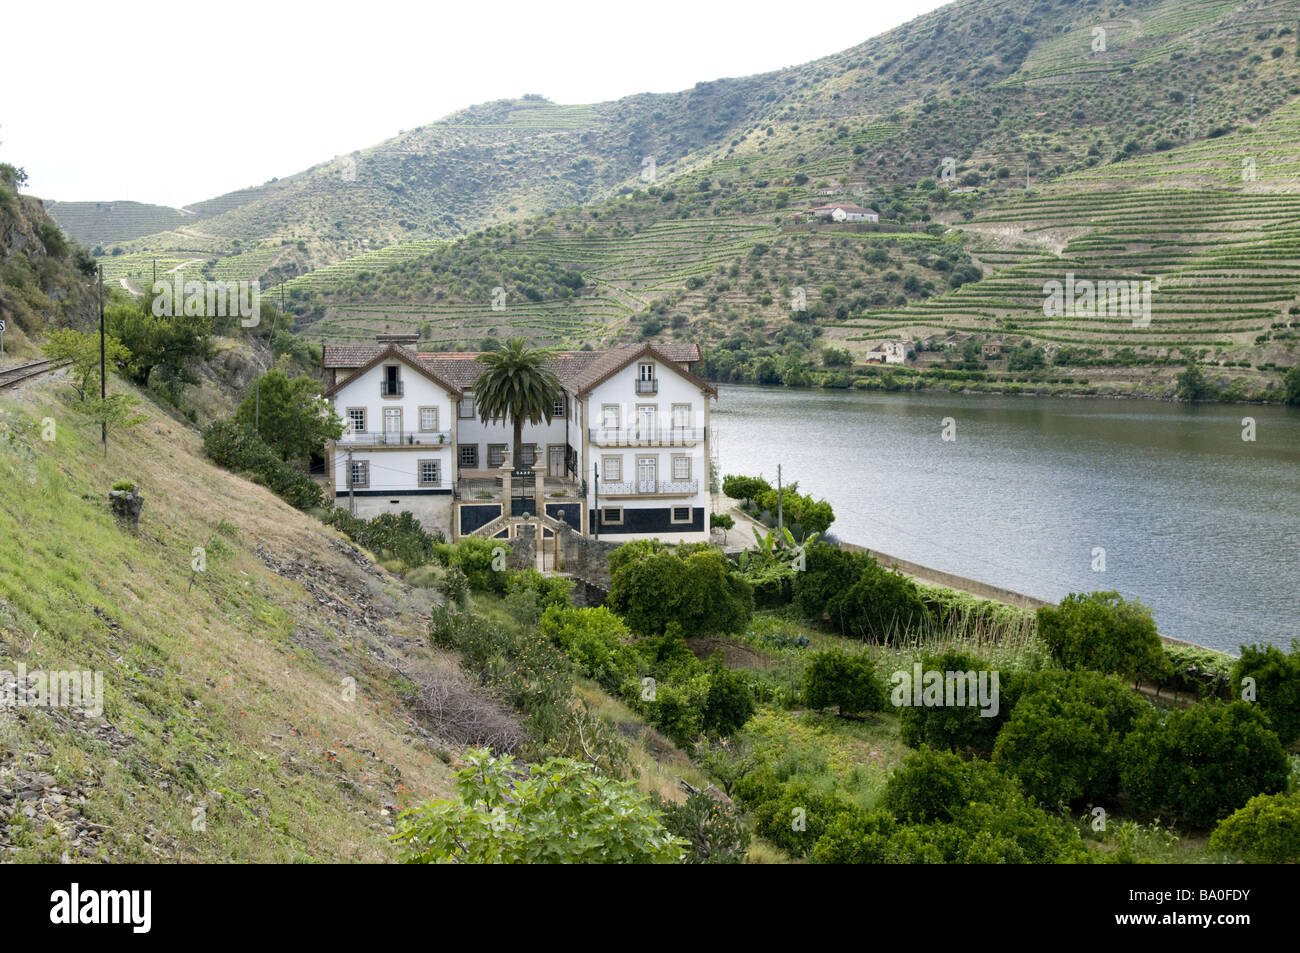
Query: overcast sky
<point x="182" y="101"/>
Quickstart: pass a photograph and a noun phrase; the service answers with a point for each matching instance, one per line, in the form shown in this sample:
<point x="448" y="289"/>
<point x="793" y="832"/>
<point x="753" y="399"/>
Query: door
<point x="645" y="421"/>
<point x="647" y="474"/>
<point x="392" y="425"/>
<point x="557" y="460"/>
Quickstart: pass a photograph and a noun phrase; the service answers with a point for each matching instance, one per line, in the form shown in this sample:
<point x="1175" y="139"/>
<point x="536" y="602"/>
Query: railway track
<point x="16" y="375"/>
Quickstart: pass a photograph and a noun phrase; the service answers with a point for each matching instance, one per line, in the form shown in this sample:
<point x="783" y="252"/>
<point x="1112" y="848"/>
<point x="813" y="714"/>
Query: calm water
<point x="1197" y="523"/>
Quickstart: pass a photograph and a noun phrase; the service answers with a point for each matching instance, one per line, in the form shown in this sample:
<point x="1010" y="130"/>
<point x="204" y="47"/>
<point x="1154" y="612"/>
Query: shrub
<point x="1059" y="748"/>
<point x="561" y="811"/>
<point x="1277" y="685"/>
<point x="1203" y="763"/>
<point x="881" y="604"/>
<point x="455" y="588"/>
<point x="596" y="639"/>
<point x="237" y="447"/>
<point x="1104" y="633"/>
<point x="697" y="587"/>
<point x="931" y="785"/>
<point x="828" y="573"/>
<point x="1265" y="831"/>
<point x="550" y="590"/>
<point x="796" y="816"/>
<point x="713" y="833"/>
<point x="744" y="488"/>
<point x="846" y="681"/>
<point x="483" y="561"/>
<point x="959" y="728"/>
<point x="730" y="701"/>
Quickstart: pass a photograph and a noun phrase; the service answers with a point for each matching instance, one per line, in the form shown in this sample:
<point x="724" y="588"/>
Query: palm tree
<point x="516" y="384"/>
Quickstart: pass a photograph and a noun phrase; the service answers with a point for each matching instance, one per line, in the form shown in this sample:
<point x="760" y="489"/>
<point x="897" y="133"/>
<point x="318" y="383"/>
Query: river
<point x="1196" y="522"/>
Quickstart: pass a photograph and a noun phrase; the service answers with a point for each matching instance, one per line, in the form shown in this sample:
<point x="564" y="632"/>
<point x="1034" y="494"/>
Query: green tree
<point x="1203" y="763"/>
<point x="846" y="681"/>
<point x="1276" y="683"/>
<point x="166" y="343"/>
<point x="1103" y="632"/>
<point x="516" y="385"/>
<point x="699" y="589"/>
<point x="82" y="350"/>
<point x="1192" y="384"/>
<point x="745" y="488"/>
<point x="290" y="415"/>
<point x="113" y="413"/>
<point x="561" y="811"/>
<point x="1292" y="383"/>
<point x="1264" y="831"/>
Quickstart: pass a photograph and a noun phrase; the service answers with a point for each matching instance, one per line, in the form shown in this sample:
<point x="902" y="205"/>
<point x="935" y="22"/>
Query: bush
<point x="713" y="833"/>
<point x="959" y="728"/>
<point x="1059" y="748"/>
<point x="744" y="488"/>
<point x="483" y="561"/>
<point x="1104" y="633"/>
<point x="1277" y="685"/>
<point x="455" y="588"/>
<point x="697" y="587"/>
<point x="881" y="604"/>
<point x="796" y="816"/>
<point x="828" y="573"/>
<point x="561" y="811"/>
<point x="846" y="681"/>
<point x="550" y="590"/>
<point x="596" y="639"/>
<point x="1265" y="831"/>
<point x="238" y="448"/>
<point x="1203" y="763"/>
<point x="931" y="785"/>
<point x="729" y="703"/>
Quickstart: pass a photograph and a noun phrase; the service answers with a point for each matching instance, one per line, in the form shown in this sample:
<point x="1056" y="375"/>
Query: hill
<point x="263" y="709"/>
<point x="1011" y="141"/>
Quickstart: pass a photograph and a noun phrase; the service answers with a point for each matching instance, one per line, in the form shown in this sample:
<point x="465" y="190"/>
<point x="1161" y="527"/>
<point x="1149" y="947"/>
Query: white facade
<point x="636" y="436"/>
<point x="647" y="432"/>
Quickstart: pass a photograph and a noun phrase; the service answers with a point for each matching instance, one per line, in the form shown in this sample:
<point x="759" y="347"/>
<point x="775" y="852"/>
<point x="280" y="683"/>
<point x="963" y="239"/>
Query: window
<point x="429" y="475"/>
<point x="558" y="409"/>
<point x="428" y="418"/>
<point x="681" y="467"/>
<point x="646" y="383"/>
<point x="466" y="407"/>
<point x="611" y="515"/>
<point x="357" y="419"/>
<point x="469" y="455"/>
<point x="527" y="454"/>
<point x="496" y="454"/>
<point x="611" y="469"/>
<point x="680" y="514"/>
<point x="681" y="416"/>
<point x="360" y="473"/>
<point x="609" y="414"/>
<point x="391" y="385"/>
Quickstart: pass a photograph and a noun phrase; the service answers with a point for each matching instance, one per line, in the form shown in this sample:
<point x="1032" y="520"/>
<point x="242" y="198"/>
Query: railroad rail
<point x="11" y="376"/>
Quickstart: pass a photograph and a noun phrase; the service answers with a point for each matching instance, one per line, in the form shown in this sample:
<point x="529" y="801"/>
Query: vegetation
<point x="1104" y="633"/>
<point x="1264" y="831"/>
<point x="560" y="811"/>
<point x="290" y="415"/>
<point x="516" y="385"/>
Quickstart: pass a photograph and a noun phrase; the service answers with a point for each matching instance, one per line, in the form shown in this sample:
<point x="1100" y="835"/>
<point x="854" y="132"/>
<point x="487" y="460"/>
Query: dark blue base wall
<point x="657" y="520"/>
<point x="474" y="516"/>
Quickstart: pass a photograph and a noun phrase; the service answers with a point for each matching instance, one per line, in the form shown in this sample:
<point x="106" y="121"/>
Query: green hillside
<point x="1010" y="141"/>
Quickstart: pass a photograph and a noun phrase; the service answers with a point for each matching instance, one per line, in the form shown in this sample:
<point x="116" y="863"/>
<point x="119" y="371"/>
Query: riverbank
<point x="924" y="574"/>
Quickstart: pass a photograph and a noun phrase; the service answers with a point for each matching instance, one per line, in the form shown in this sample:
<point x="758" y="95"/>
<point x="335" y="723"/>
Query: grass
<point x="227" y="693"/>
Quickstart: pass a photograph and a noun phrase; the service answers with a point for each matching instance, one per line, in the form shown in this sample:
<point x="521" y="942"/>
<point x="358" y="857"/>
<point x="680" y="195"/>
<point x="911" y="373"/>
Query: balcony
<point x="395" y="438"/>
<point x="649" y="488"/>
<point x="647" y="387"/>
<point x="643" y="437"/>
<point x="390" y="389"/>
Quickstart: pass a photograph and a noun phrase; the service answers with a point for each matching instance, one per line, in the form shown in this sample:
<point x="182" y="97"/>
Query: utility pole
<point x="257" y="406"/>
<point x="103" y="376"/>
<point x="780" y="511"/>
<point x="352" y="500"/>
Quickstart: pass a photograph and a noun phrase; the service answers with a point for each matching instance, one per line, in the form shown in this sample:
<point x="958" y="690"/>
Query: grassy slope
<point x="229" y="693"/>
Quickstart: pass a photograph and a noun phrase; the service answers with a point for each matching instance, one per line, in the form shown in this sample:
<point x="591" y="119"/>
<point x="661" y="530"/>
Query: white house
<point x="840" y="212"/>
<point x="891" y="352"/>
<point x="624" y="456"/>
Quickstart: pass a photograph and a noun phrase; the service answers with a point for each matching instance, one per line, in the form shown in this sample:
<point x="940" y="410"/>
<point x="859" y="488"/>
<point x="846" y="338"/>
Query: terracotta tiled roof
<point x="577" y="370"/>
<point x="409" y="357"/>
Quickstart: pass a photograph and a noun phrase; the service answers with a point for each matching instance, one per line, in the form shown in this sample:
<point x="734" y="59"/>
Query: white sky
<point x="181" y="101"/>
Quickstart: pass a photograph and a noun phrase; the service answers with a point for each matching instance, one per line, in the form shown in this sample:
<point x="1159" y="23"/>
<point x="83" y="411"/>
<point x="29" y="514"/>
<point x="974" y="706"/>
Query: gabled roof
<point x="412" y="360"/>
<point x="611" y="362"/>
